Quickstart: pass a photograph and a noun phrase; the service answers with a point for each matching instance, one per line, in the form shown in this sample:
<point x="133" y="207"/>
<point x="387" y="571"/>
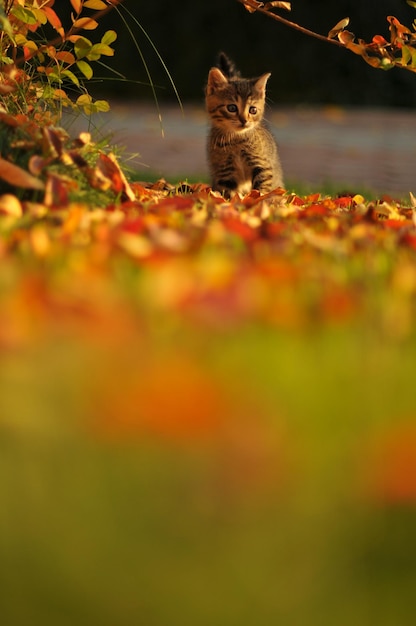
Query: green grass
<point x="132" y="532"/>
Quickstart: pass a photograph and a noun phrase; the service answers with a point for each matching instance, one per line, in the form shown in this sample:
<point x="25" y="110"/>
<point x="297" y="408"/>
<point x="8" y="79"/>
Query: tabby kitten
<point x="242" y="152"/>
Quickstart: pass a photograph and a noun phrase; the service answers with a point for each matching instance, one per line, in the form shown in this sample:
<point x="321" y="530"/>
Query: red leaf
<point x="343" y="203"/>
<point x="409" y="240"/>
<point x="379" y="40"/>
<point x="54" y="20"/>
<point x="391" y="466"/>
<point x="57" y="191"/>
<point x="314" y="210"/>
<point x="237" y="227"/>
<point x="175" y="203"/>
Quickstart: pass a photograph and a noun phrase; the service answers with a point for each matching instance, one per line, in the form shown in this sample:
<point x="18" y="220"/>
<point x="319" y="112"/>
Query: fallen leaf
<point x="6" y="89"/>
<point x="10" y="205"/>
<point x="57" y="190"/>
<point x="107" y="169"/>
<point x="18" y="177"/>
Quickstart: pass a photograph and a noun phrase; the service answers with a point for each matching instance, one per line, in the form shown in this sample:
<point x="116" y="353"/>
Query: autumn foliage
<point x="38" y="73"/>
<point x="199" y="397"/>
<point x="399" y="51"/>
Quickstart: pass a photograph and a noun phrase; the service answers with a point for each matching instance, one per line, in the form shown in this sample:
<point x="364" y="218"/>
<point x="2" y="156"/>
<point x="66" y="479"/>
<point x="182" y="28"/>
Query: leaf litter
<point x="281" y="259"/>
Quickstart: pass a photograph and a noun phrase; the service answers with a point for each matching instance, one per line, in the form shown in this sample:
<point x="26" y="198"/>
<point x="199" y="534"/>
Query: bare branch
<point x="254" y="6"/>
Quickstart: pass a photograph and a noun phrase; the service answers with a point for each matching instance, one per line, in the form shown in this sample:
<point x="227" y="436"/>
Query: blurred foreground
<point x="207" y="413"/>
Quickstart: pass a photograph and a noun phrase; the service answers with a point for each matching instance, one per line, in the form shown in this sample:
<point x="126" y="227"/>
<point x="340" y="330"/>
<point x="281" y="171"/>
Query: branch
<point x="257" y="6"/>
<point x="399" y="52"/>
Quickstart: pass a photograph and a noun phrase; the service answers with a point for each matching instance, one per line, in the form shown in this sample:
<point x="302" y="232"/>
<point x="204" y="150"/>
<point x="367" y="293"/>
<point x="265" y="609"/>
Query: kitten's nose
<point x="243" y="120"/>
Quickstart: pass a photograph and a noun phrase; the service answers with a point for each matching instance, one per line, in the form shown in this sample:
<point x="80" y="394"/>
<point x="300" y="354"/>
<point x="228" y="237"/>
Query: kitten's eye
<point x="232" y="108"/>
<point x="252" y="110"/>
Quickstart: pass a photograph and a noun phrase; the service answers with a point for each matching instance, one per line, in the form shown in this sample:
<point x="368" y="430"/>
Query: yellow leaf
<point x="40" y="241"/>
<point x="87" y="23"/>
<point x="96" y="5"/>
<point x="253" y="5"/>
<point x="358" y="199"/>
<point x="10" y="205"/>
<point x="136" y="246"/>
<point x="338" y="27"/>
<point x="278" y="5"/>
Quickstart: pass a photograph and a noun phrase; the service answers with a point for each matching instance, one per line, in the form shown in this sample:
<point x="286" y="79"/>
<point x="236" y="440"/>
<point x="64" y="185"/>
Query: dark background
<point x="189" y="33"/>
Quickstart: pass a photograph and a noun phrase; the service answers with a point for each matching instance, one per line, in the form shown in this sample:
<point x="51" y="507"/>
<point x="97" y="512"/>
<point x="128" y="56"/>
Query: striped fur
<point x="242" y="152"/>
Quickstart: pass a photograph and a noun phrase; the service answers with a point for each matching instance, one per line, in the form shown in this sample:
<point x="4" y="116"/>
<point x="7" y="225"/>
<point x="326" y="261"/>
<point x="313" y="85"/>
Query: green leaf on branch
<point x="82" y="47"/>
<point x="40" y="15"/>
<point x="408" y="56"/>
<point x="5" y="25"/>
<point x="86" y="103"/>
<point x="99" y="49"/>
<point x="85" y="68"/>
<point x="109" y="37"/>
<point x="71" y="76"/>
<point x="24" y="15"/>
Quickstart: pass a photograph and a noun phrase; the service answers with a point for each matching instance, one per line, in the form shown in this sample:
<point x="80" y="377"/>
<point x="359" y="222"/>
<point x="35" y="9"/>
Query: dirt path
<point x="372" y="149"/>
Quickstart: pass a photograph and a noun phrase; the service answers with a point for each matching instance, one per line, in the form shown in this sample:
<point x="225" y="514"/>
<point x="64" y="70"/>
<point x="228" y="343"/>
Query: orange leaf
<point x="77" y="4"/>
<point x="6" y="89"/>
<point x="253" y="5"/>
<point x="108" y="167"/>
<point x="10" y="120"/>
<point x="15" y="175"/>
<point x="173" y="398"/>
<point x="65" y="57"/>
<point x="87" y="23"/>
<point x="54" y="20"/>
<point x="340" y="26"/>
<point x="379" y="40"/>
<point x="391" y="463"/>
<point x="10" y="205"/>
<point x="346" y="37"/>
<point x="277" y="5"/>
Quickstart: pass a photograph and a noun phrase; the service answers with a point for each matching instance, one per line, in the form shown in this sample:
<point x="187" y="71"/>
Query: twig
<point x="283" y="20"/>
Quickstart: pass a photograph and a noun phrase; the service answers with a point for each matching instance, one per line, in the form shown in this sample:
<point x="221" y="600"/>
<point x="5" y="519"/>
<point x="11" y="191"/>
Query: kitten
<point x="242" y="152"/>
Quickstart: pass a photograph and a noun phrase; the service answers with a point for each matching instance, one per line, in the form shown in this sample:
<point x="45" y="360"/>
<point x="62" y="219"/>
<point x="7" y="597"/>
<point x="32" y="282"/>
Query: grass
<point x="98" y="532"/>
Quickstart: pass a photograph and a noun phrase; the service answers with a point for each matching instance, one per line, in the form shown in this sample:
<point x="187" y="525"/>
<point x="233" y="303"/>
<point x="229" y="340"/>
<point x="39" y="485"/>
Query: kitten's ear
<point x="216" y="80"/>
<point x="260" y="83"/>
